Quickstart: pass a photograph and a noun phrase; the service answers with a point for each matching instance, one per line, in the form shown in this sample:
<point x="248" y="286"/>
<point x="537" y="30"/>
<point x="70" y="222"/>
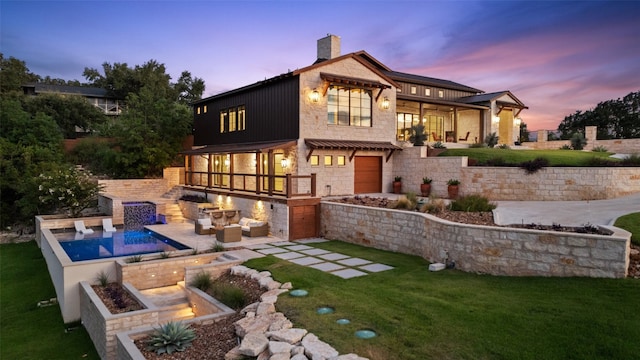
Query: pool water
<point x="105" y="245"/>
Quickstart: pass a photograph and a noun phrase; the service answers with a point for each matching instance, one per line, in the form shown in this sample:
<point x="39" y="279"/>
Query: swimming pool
<point x="103" y="245"/>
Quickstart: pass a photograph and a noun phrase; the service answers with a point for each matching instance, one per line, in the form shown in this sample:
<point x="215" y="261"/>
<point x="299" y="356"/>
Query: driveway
<point x="567" y="213"/>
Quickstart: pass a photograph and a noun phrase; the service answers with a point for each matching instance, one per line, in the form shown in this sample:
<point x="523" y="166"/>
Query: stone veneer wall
<point x="103" y="326"/>
<point x="135" y="189"/>
<point x="480" y="249"/>
<point x="512" y="183"/>
<point x="162" y="272"/>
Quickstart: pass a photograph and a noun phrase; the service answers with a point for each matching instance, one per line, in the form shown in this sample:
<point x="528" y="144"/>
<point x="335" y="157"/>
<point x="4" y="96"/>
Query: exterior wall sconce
<point x="496" y="119"/>
<point x="284" y="163"/>
<point x="314" y="96"/>
<point x="385" y="103"/>
<point x="517" y="122"/>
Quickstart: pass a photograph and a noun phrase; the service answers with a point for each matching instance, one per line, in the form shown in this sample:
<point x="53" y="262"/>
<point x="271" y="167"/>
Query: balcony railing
<point x="287" y="186"/>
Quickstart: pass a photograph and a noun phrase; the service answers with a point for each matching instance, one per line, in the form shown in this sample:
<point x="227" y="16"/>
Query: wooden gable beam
<point x="517" y="113"/>
<point x="390" y="153"/>
<point x="353" y="154"/>
<point x="309" y="154"/>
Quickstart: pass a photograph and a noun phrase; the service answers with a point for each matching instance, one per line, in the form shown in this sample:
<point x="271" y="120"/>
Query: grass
<point x="631" y="223"/>
<point x="27" y="331"/>
<point x="454" y="315"/>
<point x="555" y="157"/>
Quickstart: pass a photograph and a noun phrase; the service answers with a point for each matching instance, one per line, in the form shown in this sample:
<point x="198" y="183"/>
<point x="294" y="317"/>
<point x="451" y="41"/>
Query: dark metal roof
<point x="442" y="102"/>
<point x="247" y="87"/>
<point x="241" y="148"/>
<point x="350" y="145"/>
<point x="424" y="80"/>
<point x="486" y="98"/>
<point x="68" y="90"/>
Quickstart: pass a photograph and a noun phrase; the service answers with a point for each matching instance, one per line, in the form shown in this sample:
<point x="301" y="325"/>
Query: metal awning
<point x="241" y="148"/>
<point x="351" y="145"/>
<point x="352" y="81"/>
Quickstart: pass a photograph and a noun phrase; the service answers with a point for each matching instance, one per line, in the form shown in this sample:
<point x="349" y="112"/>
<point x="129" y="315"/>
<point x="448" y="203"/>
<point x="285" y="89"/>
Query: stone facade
<point x="618" y="146"/>
<point x="136" y="189"/>
<point x="512" y="183"/>
<point x="480" y="249"/>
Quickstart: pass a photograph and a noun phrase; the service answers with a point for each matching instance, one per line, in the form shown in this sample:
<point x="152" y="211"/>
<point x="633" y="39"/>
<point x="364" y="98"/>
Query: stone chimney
<point x="329" y="47"/>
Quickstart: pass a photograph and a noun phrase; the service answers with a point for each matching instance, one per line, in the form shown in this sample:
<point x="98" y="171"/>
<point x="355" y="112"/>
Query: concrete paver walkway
<point x="337" y="264"/>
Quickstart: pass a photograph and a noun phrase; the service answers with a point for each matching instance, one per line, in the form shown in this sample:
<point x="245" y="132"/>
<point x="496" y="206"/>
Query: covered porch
<point x="264" y="168"/>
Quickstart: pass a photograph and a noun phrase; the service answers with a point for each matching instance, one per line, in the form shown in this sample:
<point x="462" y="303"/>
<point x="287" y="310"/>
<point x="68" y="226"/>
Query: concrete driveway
<point x="567" y="213"/>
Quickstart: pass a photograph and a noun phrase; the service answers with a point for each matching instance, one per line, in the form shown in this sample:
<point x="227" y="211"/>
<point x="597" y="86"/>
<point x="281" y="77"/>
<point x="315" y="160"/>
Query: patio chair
<point x="204" y="227"/>
<point x="465" y="138"/>
<point x="435" y="137"/>
<point x="79" y="224"/>
<point x="107" y="225"/>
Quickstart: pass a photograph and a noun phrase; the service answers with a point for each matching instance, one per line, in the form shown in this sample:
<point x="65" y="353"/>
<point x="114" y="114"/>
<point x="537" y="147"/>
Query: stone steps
<point x="172" y="214"/>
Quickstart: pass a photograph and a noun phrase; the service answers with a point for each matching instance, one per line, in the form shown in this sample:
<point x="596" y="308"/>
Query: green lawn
<point x="631" y="223"/>
<point x="27" y="331"/>
<point x="454" y="315"/>
<point x="555" y="157"/>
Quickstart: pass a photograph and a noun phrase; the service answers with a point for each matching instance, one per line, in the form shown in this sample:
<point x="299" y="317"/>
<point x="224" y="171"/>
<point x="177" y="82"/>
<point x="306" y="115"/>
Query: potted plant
<point x="425" y="187"/>
<point x="418" y="135"/>
<point x="453" y="188"/>
<point x="397" y="185"/>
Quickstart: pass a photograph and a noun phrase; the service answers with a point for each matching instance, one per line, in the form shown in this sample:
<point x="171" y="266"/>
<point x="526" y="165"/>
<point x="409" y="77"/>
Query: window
<point x="440" y="93"/>
<point x="414" y="90"/>
<point x="233" y="119"/>
<point x="198" y="110"/>
<point x="223" y="121"/>
<point x="341" y="160"/>
<point x="404" y="124"/>
<point x="427" y="92"/>
<point x="328" y="160"/>
<point x="315" y="160"/>
<point x="241" y="121"/>
<point x="349" y="106"/>
<point x="205" y="109"/>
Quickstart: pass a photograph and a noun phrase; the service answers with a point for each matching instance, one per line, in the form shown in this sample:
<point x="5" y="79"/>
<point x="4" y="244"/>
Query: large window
<point x="349" y="106"/>
<point x="233" y="119"/>
<point x="405" y="122"/>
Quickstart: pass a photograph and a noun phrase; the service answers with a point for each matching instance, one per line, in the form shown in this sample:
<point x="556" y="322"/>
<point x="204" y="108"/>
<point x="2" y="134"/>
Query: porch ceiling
<point x="352" y="145"/>
<point x="241" y="148"/>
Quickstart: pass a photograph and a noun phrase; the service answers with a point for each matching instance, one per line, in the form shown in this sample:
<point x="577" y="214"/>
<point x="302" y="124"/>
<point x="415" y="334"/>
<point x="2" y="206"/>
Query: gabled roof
<point x="501" y="97"/>
<point x="351" y="145"/>
<point x="67" y="90"/>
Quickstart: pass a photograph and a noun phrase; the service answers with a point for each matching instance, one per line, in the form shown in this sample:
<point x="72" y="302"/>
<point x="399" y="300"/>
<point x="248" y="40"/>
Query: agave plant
<point x="170" y="337"/>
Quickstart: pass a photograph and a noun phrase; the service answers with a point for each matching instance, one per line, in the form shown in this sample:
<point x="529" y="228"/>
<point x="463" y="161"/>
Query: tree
<point x="615" y="119"/>
<point x="68" y="191"/>
<point x="13" y="74"/>
<point x="418" y="136"/>
<point x="491" y="140"/>
<point x="68" y="111"/>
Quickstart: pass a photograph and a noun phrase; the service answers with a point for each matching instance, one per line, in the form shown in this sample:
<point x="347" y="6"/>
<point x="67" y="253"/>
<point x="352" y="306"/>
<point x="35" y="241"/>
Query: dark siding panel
<point x="272" y="112"/>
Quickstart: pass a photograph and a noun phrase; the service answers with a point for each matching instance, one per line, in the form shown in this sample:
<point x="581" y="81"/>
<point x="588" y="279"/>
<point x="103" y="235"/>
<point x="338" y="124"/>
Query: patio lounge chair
<point x="107" y="225"/>
<point x="204" y="227"/>
<point x="79" y="224"/>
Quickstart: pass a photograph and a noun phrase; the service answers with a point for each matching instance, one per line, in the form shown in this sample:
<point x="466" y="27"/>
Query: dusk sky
<point x="555" y="56"/>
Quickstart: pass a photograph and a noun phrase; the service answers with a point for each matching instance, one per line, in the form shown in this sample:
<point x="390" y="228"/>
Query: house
<point x="95" y="96"/>
<point x="330" y="128"/>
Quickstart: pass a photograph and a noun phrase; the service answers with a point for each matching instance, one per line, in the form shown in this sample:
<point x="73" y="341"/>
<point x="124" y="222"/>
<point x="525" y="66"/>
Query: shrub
<point x="434" y="206"/>
<point x="491" y="140"/>
<point x="403" y="203"/>
<point x="418" y="136"/>
<point x="534" y="165"/>
<point x="496" y="161"/>
<point x="439" y="145"/>
<point x="217" y="247"/>
<point x="600" y="149"/>
<point x="477" y="146"/>
<point x="170" y="337"/>
<point x="194" y="198"/>
<point x="102" y="278"/>
<point x="134" y="259"/>
<point x="565" y="147"/>
<point x="472" y="203"/>
<point x="413" y="200"/>
<point x="578" y="141"/>
<point x="426" y="180"/>
<point x="504" y="147"/>
<point x="631" y="160"/>
<point x="230" y="295"/>
<point x="202" y="281"/>
<point x="453" y="182"/>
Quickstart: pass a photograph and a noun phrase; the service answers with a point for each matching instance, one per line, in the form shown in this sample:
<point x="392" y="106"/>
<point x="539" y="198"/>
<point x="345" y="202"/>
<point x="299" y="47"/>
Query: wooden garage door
<point x="303" y="222"/>
<point x="368" y="174"/>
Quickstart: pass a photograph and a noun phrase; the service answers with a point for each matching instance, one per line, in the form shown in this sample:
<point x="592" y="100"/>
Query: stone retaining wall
<point x="479" y="249"/>
<point x="162" y="272"/>
<point x="103" y="326"/>
<point x="133" y="189"/>
<point x="512" y="183"/>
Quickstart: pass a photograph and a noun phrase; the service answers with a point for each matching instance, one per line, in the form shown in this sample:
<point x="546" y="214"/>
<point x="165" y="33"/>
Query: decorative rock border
<point x="269" y="335"/>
